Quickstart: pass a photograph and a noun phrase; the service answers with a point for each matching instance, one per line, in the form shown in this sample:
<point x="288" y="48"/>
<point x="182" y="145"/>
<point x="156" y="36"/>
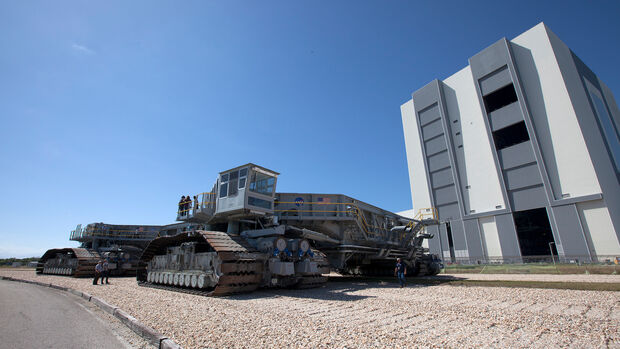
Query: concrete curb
<point x="154" y="337"/>
<point x="169" y="344"/>
<point x="103" y="305"/>
<point x="86" y="296"/>
<point x="146" y="332"/>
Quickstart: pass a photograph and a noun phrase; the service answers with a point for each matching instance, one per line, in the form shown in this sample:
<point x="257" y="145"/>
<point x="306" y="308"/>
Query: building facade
<point x="519" y="152"/>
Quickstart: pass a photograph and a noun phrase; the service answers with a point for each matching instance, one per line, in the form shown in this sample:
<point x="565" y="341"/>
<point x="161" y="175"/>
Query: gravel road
<point x="369" y="315"/>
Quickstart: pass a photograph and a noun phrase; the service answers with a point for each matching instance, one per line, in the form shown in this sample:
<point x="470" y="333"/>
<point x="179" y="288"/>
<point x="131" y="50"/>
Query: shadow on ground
<point x="340" y="288"/>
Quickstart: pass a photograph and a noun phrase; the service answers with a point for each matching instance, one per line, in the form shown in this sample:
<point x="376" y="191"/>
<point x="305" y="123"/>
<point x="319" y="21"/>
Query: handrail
<point x="355" y="209"/>
<point x="424" y="213"/>
<point x="204" y="200"/>
<point x="112" y="233"/>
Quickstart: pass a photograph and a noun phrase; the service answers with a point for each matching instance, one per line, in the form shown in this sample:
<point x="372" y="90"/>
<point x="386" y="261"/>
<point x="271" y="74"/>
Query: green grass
<point x="534" y="269"/>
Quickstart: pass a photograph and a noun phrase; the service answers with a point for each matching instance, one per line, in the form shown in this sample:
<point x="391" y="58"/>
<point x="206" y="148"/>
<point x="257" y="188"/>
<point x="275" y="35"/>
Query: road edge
<point x="154" y="337"/>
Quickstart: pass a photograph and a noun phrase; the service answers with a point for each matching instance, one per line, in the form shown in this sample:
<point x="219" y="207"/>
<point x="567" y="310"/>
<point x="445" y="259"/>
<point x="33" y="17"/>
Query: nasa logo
<point x="299" y="202"/>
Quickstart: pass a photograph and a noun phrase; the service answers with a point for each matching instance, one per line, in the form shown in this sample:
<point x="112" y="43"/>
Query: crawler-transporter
<point x="249" y="236"/>
<point x="120" y="245"/>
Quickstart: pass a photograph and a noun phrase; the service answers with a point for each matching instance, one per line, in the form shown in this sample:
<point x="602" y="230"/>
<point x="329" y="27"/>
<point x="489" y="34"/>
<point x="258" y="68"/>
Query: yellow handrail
<point x="355" y="210"/>
<point x="194" y="204"/>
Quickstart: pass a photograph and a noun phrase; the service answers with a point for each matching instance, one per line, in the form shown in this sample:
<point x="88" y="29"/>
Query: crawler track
<point x="86" y="261"/>
<point x="241" y="267"/>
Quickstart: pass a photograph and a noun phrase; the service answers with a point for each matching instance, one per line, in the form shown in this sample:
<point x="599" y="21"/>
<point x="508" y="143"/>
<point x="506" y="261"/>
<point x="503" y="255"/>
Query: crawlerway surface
<point x="368" y="315"/>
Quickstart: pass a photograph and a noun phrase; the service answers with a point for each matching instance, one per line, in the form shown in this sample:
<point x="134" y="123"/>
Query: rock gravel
<point x="368" y="315"/>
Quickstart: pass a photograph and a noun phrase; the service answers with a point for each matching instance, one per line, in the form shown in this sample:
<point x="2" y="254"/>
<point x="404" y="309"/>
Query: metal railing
<point x="113" y="233"/>
<point x="426" y="213"/>
<point x="203" y="202"/>
<point x="350" y="210"/>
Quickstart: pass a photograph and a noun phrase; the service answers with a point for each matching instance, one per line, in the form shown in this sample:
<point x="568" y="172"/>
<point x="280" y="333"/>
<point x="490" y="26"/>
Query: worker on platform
<point x="196" y="204"/>
<point x="188" y="204"/>
<point x="98" y="271"/>
<point x="400" y="271"/>
<point x="181" y="204"/>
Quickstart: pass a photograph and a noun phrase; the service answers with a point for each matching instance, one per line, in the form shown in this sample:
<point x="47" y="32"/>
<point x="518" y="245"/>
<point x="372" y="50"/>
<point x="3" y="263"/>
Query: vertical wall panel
<point x="472" y="236"/>
<point x="490" y="235"/>
<point x="508" y="236"/>
<point x="420" y="194"/>
<point x="569" y="228"/>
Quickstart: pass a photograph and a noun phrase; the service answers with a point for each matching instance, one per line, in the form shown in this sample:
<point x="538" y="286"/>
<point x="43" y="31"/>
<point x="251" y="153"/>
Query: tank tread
<point x="232" y="249"/>
<point x="223" y="291"/>
<point x="87" y="259"/>
<point x="241" y="265"/>
<point x="312" y="281"/>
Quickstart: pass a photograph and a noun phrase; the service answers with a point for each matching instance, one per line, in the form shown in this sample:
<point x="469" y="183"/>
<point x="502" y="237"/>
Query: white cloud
<point x="82" y="49"/>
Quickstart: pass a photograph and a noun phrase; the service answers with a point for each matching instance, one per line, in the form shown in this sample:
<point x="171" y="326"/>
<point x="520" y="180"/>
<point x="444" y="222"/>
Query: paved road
<point x="38" y="317"/>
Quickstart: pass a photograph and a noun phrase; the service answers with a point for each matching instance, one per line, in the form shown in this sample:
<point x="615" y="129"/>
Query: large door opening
<point x="450" y="242"/>
<point x="534" y="234"/>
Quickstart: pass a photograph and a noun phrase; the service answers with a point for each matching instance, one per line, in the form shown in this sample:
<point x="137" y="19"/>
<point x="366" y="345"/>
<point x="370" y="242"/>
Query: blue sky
<point x="110" y="111"/>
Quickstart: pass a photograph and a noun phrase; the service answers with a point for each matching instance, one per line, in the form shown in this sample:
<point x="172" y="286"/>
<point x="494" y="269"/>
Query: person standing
<point x="181" y="204"/>
<point x="400" y="271"/>
<point x="188" y="204"/>
<point x="106" y="272"/>
<point x="98" y="271"/>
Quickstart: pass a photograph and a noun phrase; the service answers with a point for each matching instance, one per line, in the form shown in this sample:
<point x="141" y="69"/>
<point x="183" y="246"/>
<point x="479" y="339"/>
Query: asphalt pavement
<point x="32" y="316"/>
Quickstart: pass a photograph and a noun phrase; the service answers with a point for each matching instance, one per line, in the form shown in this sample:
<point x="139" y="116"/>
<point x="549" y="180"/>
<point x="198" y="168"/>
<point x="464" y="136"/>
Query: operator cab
<point x="247" y="190"/>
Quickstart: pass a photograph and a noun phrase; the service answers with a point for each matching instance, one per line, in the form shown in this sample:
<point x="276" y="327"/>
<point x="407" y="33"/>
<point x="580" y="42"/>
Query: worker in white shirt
<point x="98" y="272"/>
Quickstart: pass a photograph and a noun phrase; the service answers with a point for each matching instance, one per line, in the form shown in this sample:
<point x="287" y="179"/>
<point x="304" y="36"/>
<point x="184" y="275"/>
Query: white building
<point x="519" y="152"/>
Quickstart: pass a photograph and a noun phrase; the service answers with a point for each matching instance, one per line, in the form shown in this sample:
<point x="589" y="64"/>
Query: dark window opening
<point x="511" y="135"/>
<point x="259" y="202"/>
<point x="223" y="190"/>
<point x="450" y="242"/>
<point x="534" y="233"/>
<point x="500" y="98"/>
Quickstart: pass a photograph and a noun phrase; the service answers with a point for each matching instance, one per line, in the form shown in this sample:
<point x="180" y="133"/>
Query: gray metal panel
<point x="434" y="244"/>
<point x="455" y="138"/>
<point x="458" y="235"/>
<point x="444" y="195"/>
<point x="491" y="59"/>
<point x="521" y="177"/>
<point x="472" y="235"/>
<point x="507" y="235"/>
<point x="570" y="231"/>
<point x="425" y="97"/>
<point x="529" y="198"/>
<point x="483" y="64"/>
<point x="429" y="114"/>
<point x="438" y="161"/>
<point x="435" y="145"/>
<point x="506" y="116"/>
<point x="448" y="134"/>
<point x="516" y="155"/>
<point x="432" y="129"/>
<point x="495" y="81"/>
<point x="441" y="178"/>
<point x="448" y="211"/>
